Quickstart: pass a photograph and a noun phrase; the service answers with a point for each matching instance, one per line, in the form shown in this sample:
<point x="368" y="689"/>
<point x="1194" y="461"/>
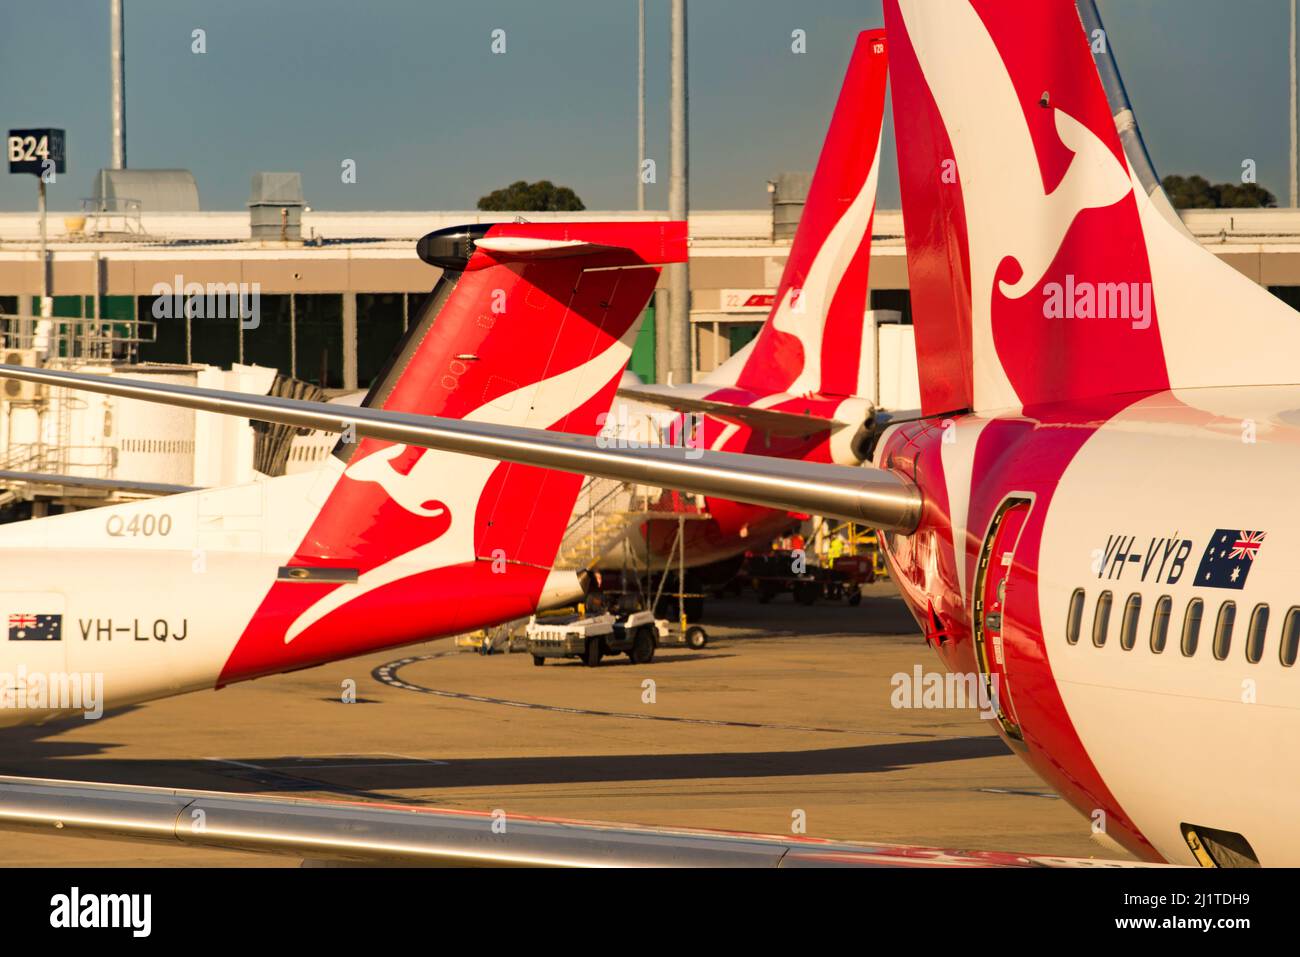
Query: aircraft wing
<point x="864" y="494"/>
<point x="325" y="830"/>
<point x="698" y="398"/>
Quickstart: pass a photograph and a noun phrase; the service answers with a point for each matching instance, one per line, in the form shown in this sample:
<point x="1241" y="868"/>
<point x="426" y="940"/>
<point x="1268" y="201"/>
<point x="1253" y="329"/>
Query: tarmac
<point x="784" y="721"/>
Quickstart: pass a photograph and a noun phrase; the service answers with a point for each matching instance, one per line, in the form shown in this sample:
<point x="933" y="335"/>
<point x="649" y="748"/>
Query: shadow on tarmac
<point x="373" y="778"/>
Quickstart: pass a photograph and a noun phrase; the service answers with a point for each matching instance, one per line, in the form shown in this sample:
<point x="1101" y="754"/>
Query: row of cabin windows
<point x="1224" y="623"/>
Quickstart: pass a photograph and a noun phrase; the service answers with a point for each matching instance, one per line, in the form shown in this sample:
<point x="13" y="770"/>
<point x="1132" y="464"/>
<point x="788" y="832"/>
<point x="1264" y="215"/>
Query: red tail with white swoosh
<point x="812" y="340"/>
<point x="804" y="387"/>
<point x="1021" y="204"/>
<point x="800" y="389"/>
<point x="531" y="325"/>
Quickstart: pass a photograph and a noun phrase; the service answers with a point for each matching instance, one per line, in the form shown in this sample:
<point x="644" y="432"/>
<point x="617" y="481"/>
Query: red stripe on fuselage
<point x="1016" y="455"/>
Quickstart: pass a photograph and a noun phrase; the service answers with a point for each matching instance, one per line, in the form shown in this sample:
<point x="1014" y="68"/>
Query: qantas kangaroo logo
<point x="461" y="479"/>
<point x="1005" y="199"/>
<point x="408" y="490"/>
<point x="1094" y="180"/>
<point x="1016" y="229"/>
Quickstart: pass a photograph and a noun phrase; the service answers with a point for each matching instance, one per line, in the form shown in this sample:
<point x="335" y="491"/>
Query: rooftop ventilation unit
<point x="789" y="194"/>
<point x="275" y="207"/>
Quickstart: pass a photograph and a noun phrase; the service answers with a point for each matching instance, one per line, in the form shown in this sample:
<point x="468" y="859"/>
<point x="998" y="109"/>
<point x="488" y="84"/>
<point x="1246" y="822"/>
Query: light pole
<point x="640" y="103"/>
<point x="117" y="83"/>
<point x="679" y="285"/>
<point x="1293" y="109"/>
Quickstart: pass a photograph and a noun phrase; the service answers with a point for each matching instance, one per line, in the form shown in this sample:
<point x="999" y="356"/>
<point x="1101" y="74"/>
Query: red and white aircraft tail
<point x="1046" y="207"/>
<point x="531" y="326"/>
<point x="805" y="373"/>
<point x="812" y="340"/>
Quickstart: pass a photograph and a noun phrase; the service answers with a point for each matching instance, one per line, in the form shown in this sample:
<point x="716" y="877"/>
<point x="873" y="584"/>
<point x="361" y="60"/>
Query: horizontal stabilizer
<point x="524" y="247"/>
<point x="856" y="493"/>
<point x="108" y="485"/>
<point x="598" y="245"/>
<point x="703" y="398"/>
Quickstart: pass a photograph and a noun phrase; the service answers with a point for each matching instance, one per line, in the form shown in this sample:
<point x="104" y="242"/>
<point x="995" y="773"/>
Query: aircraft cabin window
<point x="1290" y="637"/>
<point x="1074" y="618"/>
<point x="1192" y="626"/>
<point x="1255" y="637"/>
<point x="1128" y="629"/>
<point x="1101" y="622"/>
<point x="1223" y="629"/>
<point x="1160" y="624"/>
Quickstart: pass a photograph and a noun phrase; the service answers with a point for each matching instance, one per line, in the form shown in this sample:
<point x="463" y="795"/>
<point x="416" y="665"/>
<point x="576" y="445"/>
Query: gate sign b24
<point x="35" y="151"/>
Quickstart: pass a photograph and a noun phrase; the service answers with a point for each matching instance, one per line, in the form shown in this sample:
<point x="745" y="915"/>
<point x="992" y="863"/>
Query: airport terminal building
<point x="337" y="289"/>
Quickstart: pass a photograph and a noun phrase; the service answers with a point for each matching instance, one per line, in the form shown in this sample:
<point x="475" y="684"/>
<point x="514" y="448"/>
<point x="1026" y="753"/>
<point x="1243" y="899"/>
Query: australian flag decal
<point x="35" y="627"/>
<point x="1228" y="558"/>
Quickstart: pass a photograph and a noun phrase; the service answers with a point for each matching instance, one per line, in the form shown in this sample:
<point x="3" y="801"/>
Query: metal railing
<point x="598" y="522"/>
<point x="87" y="461"/>
<point x="77" y="337"/>
<point x="608" y="511"/>
<point x="112" y="216"/>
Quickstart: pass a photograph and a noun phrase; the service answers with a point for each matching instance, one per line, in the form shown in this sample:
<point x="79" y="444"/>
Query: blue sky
<point x="412" y="92"/>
